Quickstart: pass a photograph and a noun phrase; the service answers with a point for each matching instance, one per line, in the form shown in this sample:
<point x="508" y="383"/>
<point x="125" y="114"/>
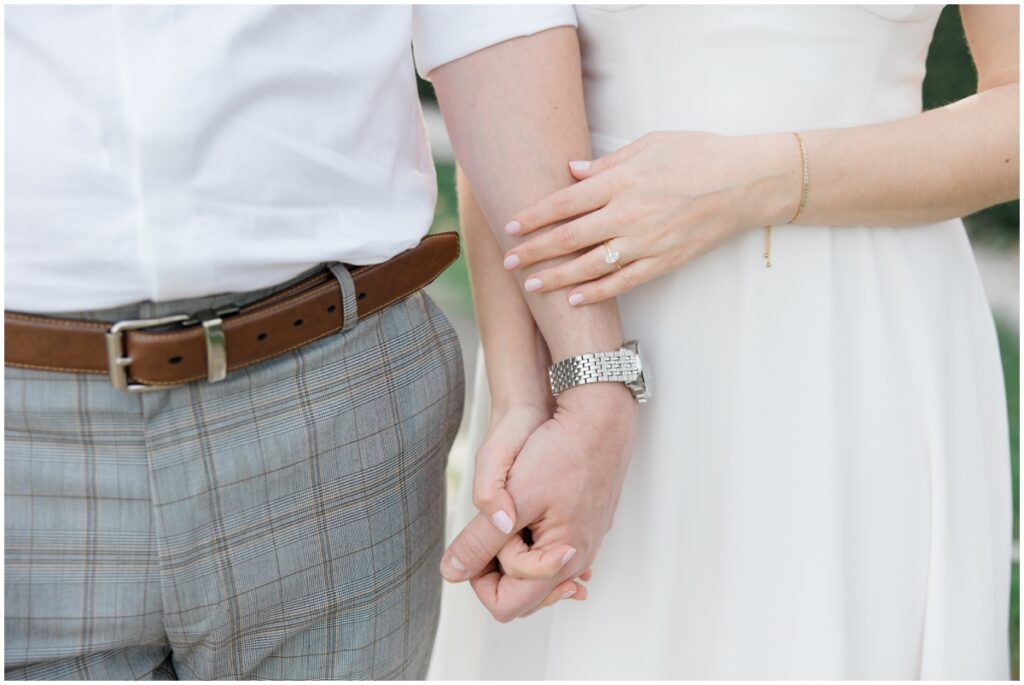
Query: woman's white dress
<point x="821" y="484"/>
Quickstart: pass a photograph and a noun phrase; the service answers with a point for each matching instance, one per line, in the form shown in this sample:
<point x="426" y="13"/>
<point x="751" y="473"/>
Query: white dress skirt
<point x="821" y="483"/>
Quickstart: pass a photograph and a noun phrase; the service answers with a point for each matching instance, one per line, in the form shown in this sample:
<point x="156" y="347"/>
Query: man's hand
<point x="565" y="482"/>
<point x="515" y="115"/>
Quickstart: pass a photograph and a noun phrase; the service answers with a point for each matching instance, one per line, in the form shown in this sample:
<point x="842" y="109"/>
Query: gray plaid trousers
<point x="284" y="523"/>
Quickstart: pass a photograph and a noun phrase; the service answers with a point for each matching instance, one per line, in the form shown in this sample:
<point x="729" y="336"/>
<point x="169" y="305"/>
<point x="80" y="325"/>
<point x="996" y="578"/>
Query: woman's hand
<point x="508" y="432"/>
<point x="510" y="428"/>
<point x="566" y="482"/>
<point x="657" y="202"/>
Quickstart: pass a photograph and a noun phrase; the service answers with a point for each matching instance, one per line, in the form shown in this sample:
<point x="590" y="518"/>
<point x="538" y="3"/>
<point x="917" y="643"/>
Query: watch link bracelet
<point x="625" y="365"/>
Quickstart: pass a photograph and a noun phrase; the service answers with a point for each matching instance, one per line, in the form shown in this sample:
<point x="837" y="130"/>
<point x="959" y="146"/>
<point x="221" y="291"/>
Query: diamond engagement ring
<point x="612" y="257"/>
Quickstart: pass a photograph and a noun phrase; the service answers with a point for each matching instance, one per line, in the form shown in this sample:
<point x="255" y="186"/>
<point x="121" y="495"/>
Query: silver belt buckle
<point x="213" y="330"/>
<point x="119" y="361"/>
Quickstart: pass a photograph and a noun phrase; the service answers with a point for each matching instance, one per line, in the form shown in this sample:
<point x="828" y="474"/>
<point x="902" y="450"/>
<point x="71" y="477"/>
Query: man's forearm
<point x="515" y="115"/>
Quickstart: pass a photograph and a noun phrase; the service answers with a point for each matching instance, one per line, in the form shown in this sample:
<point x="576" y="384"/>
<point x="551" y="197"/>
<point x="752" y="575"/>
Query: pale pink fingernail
<point x="580" y="165"/>
<point x="511" y="261"/>
<point x="533" y="284"/>
<point x="569" y="554"/>
<point x="456" y="564"/>
<point x="568" y="593"/>
<point x="575" y="299"/>
<point x="502" y="522"/>
<point x="513" y="227"/>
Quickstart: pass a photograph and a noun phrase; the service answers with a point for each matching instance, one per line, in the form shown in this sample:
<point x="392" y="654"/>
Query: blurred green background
<point x="950" y="77"/>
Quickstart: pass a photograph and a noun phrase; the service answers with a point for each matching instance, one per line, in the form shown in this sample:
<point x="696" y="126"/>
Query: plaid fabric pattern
<point x="284" y="523"/>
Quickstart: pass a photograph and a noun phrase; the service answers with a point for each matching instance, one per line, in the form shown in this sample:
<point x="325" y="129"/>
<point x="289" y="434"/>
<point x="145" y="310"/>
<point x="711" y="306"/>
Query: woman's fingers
<point x="509" y="598"/>
<point x="586" y="575"/>
<point x="493" y="461"/>
<point x="614" y="284"/>
<point x="520" y="561"/>
<point x="561" y="205"/>
<point x="587" y="267"/>
<point x="583" y="169"/>
<point x="589" y="229"/>
<point x="472" y="550"/>
<point x="567" y="590"/>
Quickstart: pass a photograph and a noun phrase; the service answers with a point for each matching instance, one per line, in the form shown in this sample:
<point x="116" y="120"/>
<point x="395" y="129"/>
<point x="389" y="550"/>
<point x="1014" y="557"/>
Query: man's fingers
<point x="519" y="561"/>
<point x="472" y="550"/>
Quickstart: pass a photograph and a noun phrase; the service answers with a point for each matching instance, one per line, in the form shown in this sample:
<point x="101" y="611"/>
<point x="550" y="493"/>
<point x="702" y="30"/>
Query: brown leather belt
<point x="208" y="344"/>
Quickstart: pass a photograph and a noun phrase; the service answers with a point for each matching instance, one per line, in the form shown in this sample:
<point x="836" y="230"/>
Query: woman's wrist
<point x="521" y="379"/>
<point x="535" y="407"/>
<point x="779" y="188"/>
<point x="535" y="398"/>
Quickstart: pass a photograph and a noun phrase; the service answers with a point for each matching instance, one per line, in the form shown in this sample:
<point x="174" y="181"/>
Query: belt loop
<point x="348" y="295"/>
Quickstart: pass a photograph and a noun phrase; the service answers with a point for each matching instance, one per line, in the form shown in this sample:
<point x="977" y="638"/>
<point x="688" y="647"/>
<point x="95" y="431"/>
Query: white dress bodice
<point x="820" y="484"/>
<point x="749" y="69"/>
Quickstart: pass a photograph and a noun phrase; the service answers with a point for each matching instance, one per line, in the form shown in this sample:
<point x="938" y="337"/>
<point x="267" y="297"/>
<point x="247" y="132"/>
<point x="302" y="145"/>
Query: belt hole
<point x="174" y="360"/>
<point x="298" y="322"/>
<point x="261" y="336"/>
<point x="361" y="296"/>
<point x="331" y="309"/>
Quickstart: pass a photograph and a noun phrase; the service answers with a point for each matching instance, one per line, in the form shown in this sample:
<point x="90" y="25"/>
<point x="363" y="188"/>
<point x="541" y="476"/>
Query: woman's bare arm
<point x="671" y="196"/>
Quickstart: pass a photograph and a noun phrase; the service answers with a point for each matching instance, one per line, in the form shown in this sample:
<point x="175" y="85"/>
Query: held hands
<point x="564" y="480"/>
<point x="657" y="202"/>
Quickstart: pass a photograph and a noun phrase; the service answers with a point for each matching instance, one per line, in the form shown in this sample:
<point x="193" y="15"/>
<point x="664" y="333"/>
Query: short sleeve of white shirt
<point x="444" y="33"/>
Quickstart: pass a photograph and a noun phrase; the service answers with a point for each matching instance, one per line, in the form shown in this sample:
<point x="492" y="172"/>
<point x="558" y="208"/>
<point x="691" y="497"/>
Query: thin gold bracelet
<point x="799" y="208"/>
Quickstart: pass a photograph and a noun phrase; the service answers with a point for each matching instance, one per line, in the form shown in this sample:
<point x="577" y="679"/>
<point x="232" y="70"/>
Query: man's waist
<point x="46" y="275"/>
<point x="170" y="348"/>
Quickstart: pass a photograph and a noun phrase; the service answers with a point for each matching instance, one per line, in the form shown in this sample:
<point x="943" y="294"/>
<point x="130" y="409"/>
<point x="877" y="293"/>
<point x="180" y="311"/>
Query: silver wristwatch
<point x="622" y="366"/>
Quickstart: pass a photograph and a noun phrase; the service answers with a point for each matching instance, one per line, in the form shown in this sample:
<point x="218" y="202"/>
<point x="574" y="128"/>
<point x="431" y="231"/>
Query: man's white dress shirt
<point x="165" y="152"/>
